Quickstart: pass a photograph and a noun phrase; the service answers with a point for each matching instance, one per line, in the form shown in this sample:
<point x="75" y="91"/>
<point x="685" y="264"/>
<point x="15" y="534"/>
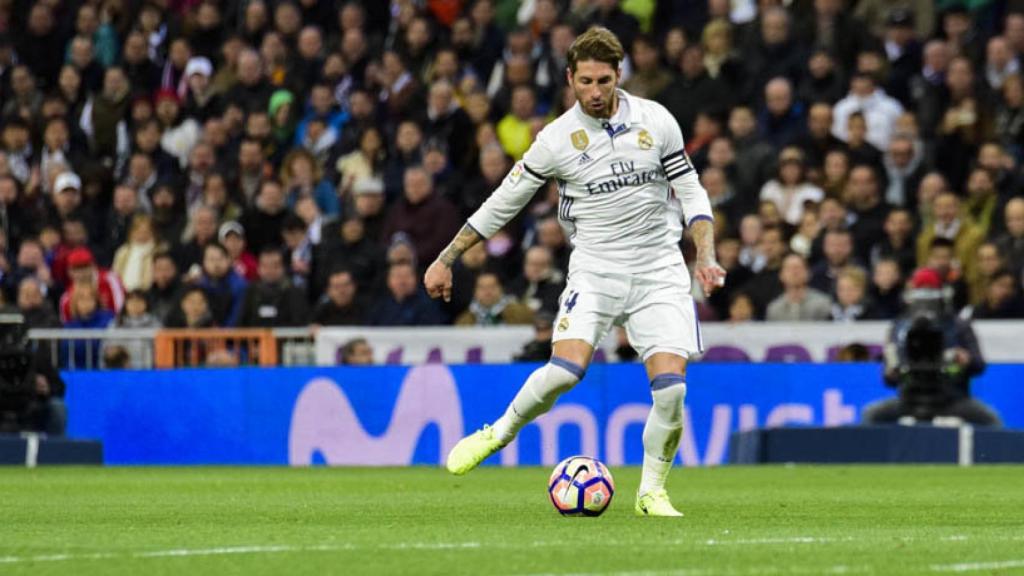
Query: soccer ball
<point x="581" y="486"/>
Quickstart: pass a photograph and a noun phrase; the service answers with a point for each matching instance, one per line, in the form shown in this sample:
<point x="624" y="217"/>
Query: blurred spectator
<point x="781" y="123"/>
<point x="264" y="221"/>
<point x="165" y="291"/>
<point x="898" y="242"/>
<point x="339" y="306"/>
<point x="133" y="261"/>
<point x="429" y="219"/>
<point x="493" y="166"/>
<point x="31" y="263"/>
<point x="538" y="349"/>
<point x="867" y="209"/>
<point x="819" y="140"/>
<point x="515" y="132"/>
<point x="771" y="52"/>
<point x="540" y="285"/>
<point x="693" y="90"/>
<point x="878" y="109"/>
<point x="950" y="225"/>
<point x="302" y="178"/>
<point x="273" y="300"/>
<point x="989" y="261"/>
<point x="135" y="314"/>
<point x="492" y="307"/>
<point x="980" y="204"/>
<point x="838" y="251"/>
<point x="904" y="168"/>
<point x="82" y="271"/>
<point x="368" y="159"/>
<point x="1011" y="244"/>
<point x="405" y="304"/>
<point x="84" y="312"/>
<point x="798" y="302"/>
<point x="224" y="288"/>
<point x="551" y="236"/>
<point x="202" y="232"/>
<point x="754" y="157"/>
<point x="850" y="302"/>
<point x="232" y="236"/>
<point x="32" y="304"/>
<point x="791" y="192"/>
<point x="741" y="308"/>
<point x="449" y="124"/>
<point x="803" y="239"/>
<point x="193" y="310"/>
<point x="886" y="291"/>
<point x="356" y="352"/>
<point x="765" y="285"/>
<point x="649" y="78"/>
<point x="942" y="258"/>
<point x="298" y="250"/>
<point x="853" y="353"/>
<point x="1002" y="299"/>
<point x="858" y="149"/>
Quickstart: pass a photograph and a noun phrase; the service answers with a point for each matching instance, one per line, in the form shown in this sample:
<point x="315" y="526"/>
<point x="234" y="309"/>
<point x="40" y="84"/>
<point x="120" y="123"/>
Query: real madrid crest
<point x="563" y="324"/>
<point x="644" y="140"/>
<point x="580" y="140"/>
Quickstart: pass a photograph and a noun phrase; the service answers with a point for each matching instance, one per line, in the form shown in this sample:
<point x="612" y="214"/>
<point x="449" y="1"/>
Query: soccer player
<point x="626" y="185"/>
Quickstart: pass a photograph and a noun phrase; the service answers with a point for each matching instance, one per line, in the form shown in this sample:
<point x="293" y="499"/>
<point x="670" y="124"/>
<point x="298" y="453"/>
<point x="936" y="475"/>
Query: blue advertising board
<point x="393" y="415"/>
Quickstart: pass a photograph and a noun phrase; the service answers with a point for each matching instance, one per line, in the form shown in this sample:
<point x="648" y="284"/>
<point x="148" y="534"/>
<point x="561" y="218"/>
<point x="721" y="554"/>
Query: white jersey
<point x="624" y="184"/>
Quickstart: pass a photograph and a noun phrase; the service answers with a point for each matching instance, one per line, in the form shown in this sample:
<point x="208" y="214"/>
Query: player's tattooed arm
<point x="708" y="272"/>
<point x="464" y="240"/>
<point x="438" y="279"/>
<point x="703" y="233"/>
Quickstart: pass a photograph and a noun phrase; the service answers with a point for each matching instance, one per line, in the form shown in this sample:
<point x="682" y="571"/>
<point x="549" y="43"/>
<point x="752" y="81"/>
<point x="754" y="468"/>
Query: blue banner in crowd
<point x="414" y="415"/>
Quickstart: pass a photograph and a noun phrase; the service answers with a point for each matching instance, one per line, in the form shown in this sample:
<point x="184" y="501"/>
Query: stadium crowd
<point x="194" y="163"/>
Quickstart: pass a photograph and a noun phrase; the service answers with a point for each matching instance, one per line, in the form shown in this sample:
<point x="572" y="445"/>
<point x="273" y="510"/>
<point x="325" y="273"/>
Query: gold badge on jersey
<point x="644" y="140"/>
<point x="579" y="139"/>
<point x="563" y="324"/>
<point x="515" y="173"/>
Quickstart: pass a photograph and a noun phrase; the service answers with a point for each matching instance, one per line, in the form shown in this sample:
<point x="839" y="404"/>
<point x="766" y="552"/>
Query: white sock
<point x="537" y="395"/>
<point x="663" y="430"/>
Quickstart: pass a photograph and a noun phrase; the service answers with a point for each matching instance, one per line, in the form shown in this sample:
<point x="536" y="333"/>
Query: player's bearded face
<point x="594" y="84"/>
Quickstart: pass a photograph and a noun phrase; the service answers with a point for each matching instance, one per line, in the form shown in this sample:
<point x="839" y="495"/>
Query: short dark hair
<point x="598" y="43"/>
<point x="215" y="246"/>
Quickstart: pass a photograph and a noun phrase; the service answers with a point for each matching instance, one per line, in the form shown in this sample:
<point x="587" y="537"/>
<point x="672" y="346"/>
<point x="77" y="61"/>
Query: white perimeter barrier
<point x="1001" y="341"/>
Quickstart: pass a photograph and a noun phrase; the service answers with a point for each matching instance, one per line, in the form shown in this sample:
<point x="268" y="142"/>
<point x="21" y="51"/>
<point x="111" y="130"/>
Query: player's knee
<point x="562" y="374"/>
<point x="669" y="393"/>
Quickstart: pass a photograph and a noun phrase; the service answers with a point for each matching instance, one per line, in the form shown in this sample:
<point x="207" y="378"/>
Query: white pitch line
<point x="977" y="566"/>
<point x="225" y="550"/>
<point x="769" y="541"/>
<point x="753" y="571"/>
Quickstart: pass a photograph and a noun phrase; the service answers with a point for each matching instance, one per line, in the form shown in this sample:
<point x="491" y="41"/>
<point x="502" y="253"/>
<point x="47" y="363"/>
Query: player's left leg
<point x="662" y="433"/>
<point x="662" y="326"/>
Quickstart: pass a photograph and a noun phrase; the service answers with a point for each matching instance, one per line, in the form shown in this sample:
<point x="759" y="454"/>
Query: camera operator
<point x="31" y="389"/>
<point x="930" y="357"/>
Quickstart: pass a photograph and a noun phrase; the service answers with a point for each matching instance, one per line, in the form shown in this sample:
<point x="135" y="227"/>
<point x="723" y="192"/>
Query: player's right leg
<point x="589" y="305"/>
<point x="568" y="364"/>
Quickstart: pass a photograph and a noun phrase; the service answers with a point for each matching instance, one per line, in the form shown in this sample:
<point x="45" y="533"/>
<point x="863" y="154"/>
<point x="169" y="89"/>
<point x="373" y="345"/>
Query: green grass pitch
<point x="739" y="521"/>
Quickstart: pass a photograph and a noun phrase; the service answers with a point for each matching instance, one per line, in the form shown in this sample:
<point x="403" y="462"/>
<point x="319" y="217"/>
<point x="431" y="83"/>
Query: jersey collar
<point x="625" y="116"/>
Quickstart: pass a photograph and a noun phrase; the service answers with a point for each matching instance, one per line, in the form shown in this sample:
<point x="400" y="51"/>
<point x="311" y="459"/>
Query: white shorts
<point x="656" y="308"/>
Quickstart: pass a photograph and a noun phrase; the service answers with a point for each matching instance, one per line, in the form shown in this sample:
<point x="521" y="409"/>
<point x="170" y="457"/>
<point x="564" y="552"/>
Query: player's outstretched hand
<point x="438" y="281"/>
<point x="710" y="275"/>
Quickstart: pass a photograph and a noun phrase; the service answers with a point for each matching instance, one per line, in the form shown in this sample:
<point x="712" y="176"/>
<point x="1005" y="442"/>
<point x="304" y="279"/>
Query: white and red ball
<point x="581" y="486"/>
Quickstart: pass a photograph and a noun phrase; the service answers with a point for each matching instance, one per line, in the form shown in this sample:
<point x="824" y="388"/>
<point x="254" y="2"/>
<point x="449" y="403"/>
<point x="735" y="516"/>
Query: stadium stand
<point x="160" y="152"/>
